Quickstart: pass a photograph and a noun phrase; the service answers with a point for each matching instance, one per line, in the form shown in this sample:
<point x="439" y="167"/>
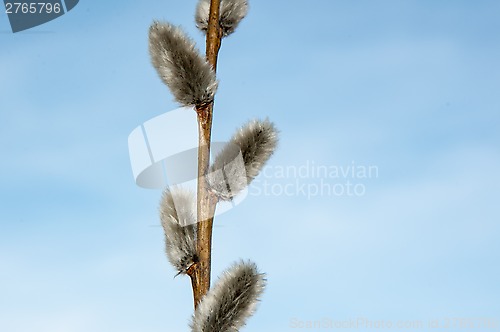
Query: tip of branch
<point x="232" y="13"/>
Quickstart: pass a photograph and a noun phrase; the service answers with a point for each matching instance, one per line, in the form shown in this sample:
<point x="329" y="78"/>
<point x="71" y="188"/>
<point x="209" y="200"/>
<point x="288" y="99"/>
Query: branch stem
<point x="206" y="201"/>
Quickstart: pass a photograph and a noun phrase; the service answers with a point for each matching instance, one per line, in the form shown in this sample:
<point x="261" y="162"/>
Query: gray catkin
<point x="231" y="14"/>
<point x="180" y="65"/>
<point x="231" y="301"/>
<point x="256" y="141"/>
<point x="178" y="218"/>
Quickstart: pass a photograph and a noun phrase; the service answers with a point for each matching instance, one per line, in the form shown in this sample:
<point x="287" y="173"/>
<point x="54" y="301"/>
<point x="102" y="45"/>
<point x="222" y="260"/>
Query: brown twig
<point x="206" y="201"/>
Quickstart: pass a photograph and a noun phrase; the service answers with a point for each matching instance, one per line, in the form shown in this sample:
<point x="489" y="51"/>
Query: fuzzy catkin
<point x="178" y="218"/>
<point x="231" y="14"/>
<point x="180" y="65"/>
<point x="256" y="141"/>
<point x="231" y="301"/>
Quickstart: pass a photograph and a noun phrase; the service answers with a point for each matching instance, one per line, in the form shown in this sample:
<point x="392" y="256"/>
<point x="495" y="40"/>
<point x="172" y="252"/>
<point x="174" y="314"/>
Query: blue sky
<point x="410" y="87"/>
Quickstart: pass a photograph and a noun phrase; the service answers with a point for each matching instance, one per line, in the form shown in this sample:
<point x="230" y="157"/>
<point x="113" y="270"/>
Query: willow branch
<point x="206" y="201"/>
